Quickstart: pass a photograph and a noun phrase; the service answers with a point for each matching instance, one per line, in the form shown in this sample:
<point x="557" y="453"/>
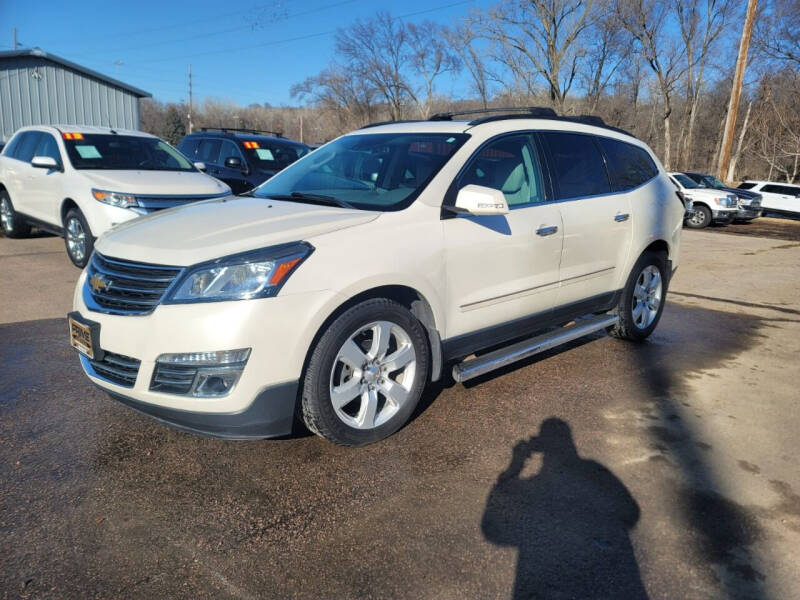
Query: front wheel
<point x="366" y="374"/>
<point x="78" y="238"/>
<point x="643" y="297"/>
<point x="701" y="217"/>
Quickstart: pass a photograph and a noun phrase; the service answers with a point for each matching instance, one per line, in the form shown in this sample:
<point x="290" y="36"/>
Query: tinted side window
<point x="27" y="146"/>
<point x="188" y="147"/>
<point x="578" y="166"/>
<point x="510" y="165"/>
<point x="629" y="165"/>
<point x="781" y="189"/>
<point x="48" y="147"/>
<point x="12" y="145"/>
<point x="208" y="150"/>
<point x="227" y="150"/>
<point x="746" y="186"/>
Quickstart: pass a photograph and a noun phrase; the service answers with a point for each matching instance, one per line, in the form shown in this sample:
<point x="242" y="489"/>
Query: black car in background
<point x="749" y="202"/>
<point x="242" y="158"/>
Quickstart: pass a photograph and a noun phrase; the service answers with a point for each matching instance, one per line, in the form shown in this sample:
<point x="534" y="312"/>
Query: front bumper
<point x="271" y="414"/>
<point x="723" y="216"/>
<point x="745" y="213"/>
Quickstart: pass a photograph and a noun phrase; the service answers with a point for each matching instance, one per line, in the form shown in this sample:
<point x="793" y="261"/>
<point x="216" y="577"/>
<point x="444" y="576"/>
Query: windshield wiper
<point x="314" y="198"/>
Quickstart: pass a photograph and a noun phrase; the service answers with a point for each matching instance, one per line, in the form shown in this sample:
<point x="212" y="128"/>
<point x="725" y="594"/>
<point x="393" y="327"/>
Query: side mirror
<point x="45" y="162"/>
<point x="480" y="201"/>
<point x="233" y="162"/>
<point x="200" y="166"/>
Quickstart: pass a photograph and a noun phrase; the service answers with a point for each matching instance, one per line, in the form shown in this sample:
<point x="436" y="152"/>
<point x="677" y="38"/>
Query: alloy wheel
<point x="76" y="239"/>
<point x="372" y="375"/>
<point x="6" y="215"/>
<point x="698" y="218"/>
<point x="647" y="297"/>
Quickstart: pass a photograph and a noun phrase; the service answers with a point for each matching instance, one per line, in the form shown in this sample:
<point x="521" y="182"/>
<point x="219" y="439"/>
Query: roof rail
<point x="379" y="123"/>
<point x="238" y="130"/>
<point x="529" y="111"/>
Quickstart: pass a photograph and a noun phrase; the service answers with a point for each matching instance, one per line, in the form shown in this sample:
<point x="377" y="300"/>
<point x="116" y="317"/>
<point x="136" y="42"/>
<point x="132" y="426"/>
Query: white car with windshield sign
<point x="79" y="182"/>
<point x="336" y="291"/>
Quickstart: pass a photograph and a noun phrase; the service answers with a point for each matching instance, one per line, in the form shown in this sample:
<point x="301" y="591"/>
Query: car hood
<point x="206" y="230"/>
<point x="156" y="183"/>
<point x="743" y="194"/>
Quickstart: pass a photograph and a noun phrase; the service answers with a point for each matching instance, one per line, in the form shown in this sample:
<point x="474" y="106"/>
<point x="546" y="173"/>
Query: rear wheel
<point x="78" y="238"/>
<point x="642" y="300"/>
<point x="366" y="374"/>
<point x="12" y="224"/>
<point x="701" y="217"/>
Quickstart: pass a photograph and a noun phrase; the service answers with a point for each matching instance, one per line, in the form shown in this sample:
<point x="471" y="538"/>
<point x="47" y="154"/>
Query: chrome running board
<point x="496" y="359"/>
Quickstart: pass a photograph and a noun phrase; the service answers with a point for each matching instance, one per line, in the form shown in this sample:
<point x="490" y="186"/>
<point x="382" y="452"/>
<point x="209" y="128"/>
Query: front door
<point x="502" y="268"/>
<point x="44" y="185"/>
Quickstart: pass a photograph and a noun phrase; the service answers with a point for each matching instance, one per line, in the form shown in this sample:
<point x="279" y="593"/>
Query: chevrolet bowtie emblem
<point x="98" y="283"/>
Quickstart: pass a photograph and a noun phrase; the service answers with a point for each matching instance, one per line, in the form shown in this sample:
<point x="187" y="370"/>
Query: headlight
<point x="115" y="198"/>
<point x="258" y="274"/>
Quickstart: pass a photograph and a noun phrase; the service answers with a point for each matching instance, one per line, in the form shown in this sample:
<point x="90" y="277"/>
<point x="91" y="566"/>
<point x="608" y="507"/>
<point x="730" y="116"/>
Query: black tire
<point x="701" y="217"/>
<point x="627" y="328"/>
<point x="14" y="226"/>
<point x="79" y="259"/>
<point x="317" y="407"/>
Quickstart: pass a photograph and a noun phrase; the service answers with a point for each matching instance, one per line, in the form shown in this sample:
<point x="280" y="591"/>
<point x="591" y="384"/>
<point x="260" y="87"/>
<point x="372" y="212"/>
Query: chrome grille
<point x="173" y="379"/>
<point x="122" y="287"/>
<point x="152" y="203"/>
<point x="117" y="368"/>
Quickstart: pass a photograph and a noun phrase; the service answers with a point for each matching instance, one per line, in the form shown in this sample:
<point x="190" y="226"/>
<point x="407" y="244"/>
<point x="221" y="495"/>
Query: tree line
<point x="661" y="69"/>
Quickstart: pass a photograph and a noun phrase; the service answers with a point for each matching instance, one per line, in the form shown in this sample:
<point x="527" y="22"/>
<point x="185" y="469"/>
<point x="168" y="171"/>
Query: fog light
<point x="200" y="374"/>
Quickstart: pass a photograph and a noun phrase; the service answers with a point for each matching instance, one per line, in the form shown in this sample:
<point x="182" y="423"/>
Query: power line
<point x="302" y="37"/>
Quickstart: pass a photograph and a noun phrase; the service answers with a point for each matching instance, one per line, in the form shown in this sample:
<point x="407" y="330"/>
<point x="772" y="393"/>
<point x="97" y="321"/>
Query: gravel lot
<point x="668" y="469"/>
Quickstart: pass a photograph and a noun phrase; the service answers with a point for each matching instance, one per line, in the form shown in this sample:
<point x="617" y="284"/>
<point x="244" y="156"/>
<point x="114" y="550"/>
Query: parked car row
<point x="80" y="181"/>
<point x="713" y="202"/>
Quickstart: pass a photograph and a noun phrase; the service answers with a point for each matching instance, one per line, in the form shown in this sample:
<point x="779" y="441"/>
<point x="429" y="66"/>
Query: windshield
<point x="685" y="181"/>
<point x="713" y="182"/>
<point x="273" y="156"/>
<point x="124" y="153"/>
<point x="382" y="171"/>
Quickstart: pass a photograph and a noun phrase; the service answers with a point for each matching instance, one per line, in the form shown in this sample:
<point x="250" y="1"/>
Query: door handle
<point x="620" y="217"/>
<point x="547" y="230"/>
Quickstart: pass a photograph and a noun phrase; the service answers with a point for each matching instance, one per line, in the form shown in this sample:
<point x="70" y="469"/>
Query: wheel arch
<point x="66" y="205"/>
<point x="404" y="295"/>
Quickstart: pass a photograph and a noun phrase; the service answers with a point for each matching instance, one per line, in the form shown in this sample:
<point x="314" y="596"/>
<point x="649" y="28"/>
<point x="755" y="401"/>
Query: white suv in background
<point x="709" y="205"/>
<point x="79" y="182"/>
<point x="781" y="198"/>
<point x="335" y="291"/>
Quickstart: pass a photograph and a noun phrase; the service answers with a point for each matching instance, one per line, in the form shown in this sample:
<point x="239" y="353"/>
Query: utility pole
<point x="736" y="92"/>
<point x="16" y="44"/>
<point x="191" y="125"/>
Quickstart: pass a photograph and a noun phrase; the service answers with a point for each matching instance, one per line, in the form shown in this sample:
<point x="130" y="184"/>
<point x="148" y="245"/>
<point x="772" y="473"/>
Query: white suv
<point x="781" y="198"/>
<point x="79" y="181"/>
<point x="339" y="288"/>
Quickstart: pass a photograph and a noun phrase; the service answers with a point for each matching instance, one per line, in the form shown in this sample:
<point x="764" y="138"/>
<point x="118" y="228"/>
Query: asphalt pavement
<point x="605" y="469"/>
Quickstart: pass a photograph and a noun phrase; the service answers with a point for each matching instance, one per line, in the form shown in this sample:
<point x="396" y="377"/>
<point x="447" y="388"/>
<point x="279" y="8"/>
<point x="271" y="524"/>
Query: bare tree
<point x="430" y="57"/>
<point x="377" y="51"/>
<point x="340" y="90"/>
<point x="701" y="25"/>
<point x="777" y="126"/>
<point x="777" y="31"/>
<point x="645" y="20"/>
<point x="538" y="38"/>
<point x="605" y="51"/>
<point x="465" y="41"/>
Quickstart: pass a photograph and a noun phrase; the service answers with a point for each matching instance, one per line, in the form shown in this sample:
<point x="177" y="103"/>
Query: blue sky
<point x="247" y="52"/>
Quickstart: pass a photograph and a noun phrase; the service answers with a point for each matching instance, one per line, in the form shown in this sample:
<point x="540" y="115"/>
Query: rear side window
<point x="746" y="186"/>
<point x="781" y="189"/>
<point x="578" y="166"/>
<point x="629" y="166"/>
<point x="12" y="145"/>
<point x="27" y="146"/>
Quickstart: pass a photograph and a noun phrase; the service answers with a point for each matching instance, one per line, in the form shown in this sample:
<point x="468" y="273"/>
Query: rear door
<point x="781" y="197"/>
<point x="597" y="221"/>
<point x="498" y="268"/>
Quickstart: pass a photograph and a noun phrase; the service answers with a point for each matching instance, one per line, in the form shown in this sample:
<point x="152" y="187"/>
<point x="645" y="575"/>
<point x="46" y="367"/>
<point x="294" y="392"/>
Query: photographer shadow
<point x="570" y="522"/>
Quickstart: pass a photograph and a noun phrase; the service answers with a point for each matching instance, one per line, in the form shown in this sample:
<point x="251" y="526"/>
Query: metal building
<point x="37" y="88"/>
